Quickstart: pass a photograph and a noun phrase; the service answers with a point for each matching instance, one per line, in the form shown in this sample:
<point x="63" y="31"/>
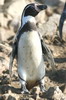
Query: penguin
<point x="61" y="22"/>
<point x="29" y="48"/>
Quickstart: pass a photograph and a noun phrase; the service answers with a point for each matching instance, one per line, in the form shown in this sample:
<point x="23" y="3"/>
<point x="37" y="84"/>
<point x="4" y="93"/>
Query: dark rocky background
<point x="47" y="23"/>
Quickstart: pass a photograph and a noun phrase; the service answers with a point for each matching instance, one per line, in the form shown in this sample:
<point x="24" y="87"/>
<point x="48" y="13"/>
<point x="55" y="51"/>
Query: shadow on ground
<point x="57" y="76"/>
<point x="60" y="60"/>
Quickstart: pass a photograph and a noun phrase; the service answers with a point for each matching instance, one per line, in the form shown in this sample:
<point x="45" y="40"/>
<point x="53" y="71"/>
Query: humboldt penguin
<point x="29" y="49"/>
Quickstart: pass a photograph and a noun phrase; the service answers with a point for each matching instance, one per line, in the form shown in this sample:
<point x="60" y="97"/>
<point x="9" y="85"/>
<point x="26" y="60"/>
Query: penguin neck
<point x="26" y="19"/>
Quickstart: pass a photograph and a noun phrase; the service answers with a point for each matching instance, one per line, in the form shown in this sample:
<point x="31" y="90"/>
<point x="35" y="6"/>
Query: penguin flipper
<point x="14" y="49"/>
<point x="48" y="55"/>
<point x="12" y="56"/>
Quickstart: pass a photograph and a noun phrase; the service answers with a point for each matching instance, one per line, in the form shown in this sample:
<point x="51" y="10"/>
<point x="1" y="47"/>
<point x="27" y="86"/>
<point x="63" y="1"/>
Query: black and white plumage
<point x="29" y="49"/>
<point x="61" y="22"/>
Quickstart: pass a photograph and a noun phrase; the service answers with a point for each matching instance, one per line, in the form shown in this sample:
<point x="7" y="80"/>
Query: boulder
<point x="15" y="9"/>
<point x="41" y="17"/>
<point x="57" y="5"/>
<point x="58" y="95"/>
<point x="3" y="20"/>
<point x="5" y="34"/>
<point x="1" y="2"/>
<point x="51" y="2"/>
<point x="49" y="28"/>
<point x="14" y="24"/>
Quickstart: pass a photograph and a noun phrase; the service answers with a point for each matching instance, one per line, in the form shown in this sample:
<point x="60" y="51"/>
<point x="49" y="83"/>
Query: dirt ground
<point x="53" y="80"/>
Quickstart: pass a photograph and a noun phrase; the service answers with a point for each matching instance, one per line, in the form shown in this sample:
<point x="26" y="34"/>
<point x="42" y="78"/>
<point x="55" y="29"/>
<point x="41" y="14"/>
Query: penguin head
<point x="31" y="10"/>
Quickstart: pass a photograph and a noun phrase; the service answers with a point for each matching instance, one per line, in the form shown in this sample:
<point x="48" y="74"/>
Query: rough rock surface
<point x="16" y="8"/>
<point x="47" y="22"/>
<point x="52" y="22"/>
<point x="57" y="5"/>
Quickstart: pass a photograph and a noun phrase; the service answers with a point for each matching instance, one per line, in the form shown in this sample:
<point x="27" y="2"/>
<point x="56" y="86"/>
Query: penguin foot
<point x="41" y="84"/>
<point x="42" y="88"/>
<point x="24" y="90"/>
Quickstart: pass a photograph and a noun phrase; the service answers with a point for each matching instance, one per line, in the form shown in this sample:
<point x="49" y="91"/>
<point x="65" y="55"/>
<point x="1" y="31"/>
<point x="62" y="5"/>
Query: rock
<point x="14" y="24"/>
<point x="3" y="20"/>
<point x="50" y="2"/>
<point x="59" y="8"/>
<point x="49" y="28"/>
<point x="15" y="9"/>
<point x="58" y="95"/>
<point x="49" y="11"/>
<point x="7" y="1"/>
<point x="2" y="98"/>
<point x="57" y="5"/>
<point x="2" y="34"/>
<point x="11" y="98"/>
<point x="41" y="17"/>
<point x="30" y="1"/>
<point x="1" y="2"/>
<point x="5" y="34"/>
<point x="54" y="93"/>
<point x="5" y="50"/>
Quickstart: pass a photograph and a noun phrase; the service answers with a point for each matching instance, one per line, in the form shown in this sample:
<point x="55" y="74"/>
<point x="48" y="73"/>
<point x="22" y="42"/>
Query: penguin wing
<point x="14" y="49"/>
<point x="48" y="55"/>
<point x="13" y="55"/>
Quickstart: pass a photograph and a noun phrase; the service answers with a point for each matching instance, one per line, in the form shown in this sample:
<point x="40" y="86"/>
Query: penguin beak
<point x="41" y="7"/>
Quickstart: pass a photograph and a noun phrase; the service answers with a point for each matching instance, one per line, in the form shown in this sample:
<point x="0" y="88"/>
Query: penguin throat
<point x="28" y="19"/>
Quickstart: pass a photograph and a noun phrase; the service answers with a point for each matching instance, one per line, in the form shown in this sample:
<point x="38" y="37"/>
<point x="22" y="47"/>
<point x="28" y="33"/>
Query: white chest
<point x="30" y="60"/>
